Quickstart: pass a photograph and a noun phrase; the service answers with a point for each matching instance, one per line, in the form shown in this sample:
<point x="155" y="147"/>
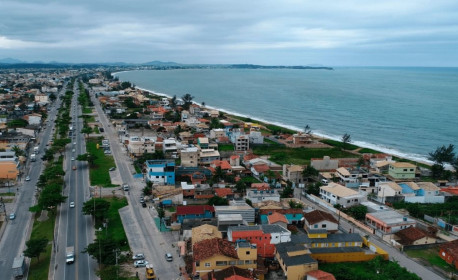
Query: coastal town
<point x="147" y="186"/>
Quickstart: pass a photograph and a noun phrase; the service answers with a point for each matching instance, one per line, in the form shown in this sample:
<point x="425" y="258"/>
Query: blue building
<point x="161" y="171"/>
<point x="194" y="212"/>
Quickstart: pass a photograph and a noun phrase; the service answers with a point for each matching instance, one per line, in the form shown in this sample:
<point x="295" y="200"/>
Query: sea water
<point x="404" y="111"/>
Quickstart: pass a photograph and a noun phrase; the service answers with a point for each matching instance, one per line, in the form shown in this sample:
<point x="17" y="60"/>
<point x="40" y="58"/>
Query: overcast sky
<point x="280" y="32"/>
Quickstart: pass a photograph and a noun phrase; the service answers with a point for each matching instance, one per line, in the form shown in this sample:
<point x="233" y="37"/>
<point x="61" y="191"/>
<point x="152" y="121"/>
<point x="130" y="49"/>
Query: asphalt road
<point x="395" y="254"/>
<point x="141" y="231"/>
<point x="18" y="230"/>
<point x="75" y="229"/>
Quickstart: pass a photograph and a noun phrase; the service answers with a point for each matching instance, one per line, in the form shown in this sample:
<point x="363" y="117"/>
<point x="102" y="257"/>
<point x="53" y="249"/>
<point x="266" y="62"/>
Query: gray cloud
<point x="350" y="32"/>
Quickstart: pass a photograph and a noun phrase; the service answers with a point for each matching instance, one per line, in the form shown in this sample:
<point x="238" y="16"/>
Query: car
<point x="73" y="158"/>
<point x="140" y="263"/>
<point x="73" y="150"/>
<point x="142" y="200"/>
<point x="138" y="257"/>
<point x="74" y="167"/>
<point x="12" y="216"/>
<point x="27" y="178"/>
<point x="125" y="187"/>
<point x="168" y="257"/>
<point x="74" y="143"/>
<point x="112" y="169"/>
<point x="144" y="204"/>
<point x="72" y="204"/>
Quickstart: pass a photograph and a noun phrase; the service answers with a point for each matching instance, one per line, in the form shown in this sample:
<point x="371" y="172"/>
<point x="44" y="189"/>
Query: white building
<point x="337" y="194"/>
<point x="256" y="137"/>
<point x="206" y="156"/>
<point x="190" y="157"/>
<point x="260" y="196"/>
<point x="169" y="145"/>
<point x="217" y="133"/>
<point x="138" y="146"/>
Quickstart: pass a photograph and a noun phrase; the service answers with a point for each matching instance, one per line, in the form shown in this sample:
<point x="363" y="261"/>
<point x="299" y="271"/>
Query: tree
<point x="358" y="212"/>
<point x="86" y="130"/>
<point x="89" y="157"/>
<point x="216" y="200"/>
<point x="102" y="250"/>
<point x="249" y="202"/>
<point x="125" y="85"/>
<point x="187" y="99"/>
<point x="346" y="139"/>
<point x="17" y="151"/>
<point x="52" y="97"/>
<point x="314" y="189"/>
<point x="97" y="207"/>
<point x="240" y="187"/>
<point x="309" y="172"/>
<point x="287" y="192"/>
<point x="50" y="197"/>
<point x="203" y="104"/>
<point x="35" y="247"/>
<point x="443" y="155"/>
<point x="307" y="129"/>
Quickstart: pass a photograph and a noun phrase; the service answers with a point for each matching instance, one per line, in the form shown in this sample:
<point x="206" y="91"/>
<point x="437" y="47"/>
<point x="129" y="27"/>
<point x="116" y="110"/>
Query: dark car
<point x="144" y="204"/>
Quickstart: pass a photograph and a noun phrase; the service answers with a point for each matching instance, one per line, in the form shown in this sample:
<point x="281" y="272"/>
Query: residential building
<point x="295" y="260"/>
<point x="256" y="137"/>
<point x="449" y="253"/>
<point x="190" y="157"/>
<point x="237" y="207"/>
<point x="293" y="216"/>
<point x="205" y="232"/>
<point x="160" y="172"/>
<point x="33" y="119"/>
<point x="264" y="236"/>
<point x="217" y="133"/>
<point x="259" y="196"/>
<point x="232" y="273"/>
<point x="278" y="219"/>
<point x="413" y="236"/>
<point x="188" y="190"/>
<point x="217" y="254"/>
<point x="320" y="220"/>
<point x="345" y="176"/>
<point x="242" y="143"/>
<point x="389" y="192"/>
<point x="206" y="156"/>
<point x="202" y="142"/>
<point x="302" y="139"/>
<point x="337" y="194"/>
<point x="169" y="145"/>
<point x="388" y="222"/>
<point x="293" y="173"/>
<point x="324" y="164"/>
<point x="325" y="240"/>
<point x="421" y="192"/>
<point x="402" y="170"/>
<point x="137" y="146"/>
<point x="194" y="212"/>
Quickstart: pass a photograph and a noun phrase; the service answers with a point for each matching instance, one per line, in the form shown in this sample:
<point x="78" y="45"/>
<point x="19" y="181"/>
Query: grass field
<point x="99" y="174"/>
<point x="431" y="255"/>
<point x="368" y="151"/>
<point x="7" y="194"/>
<point x="115" y="228"/>
<point x="250" y="179"/>
<point x="339" y="144"/>
<point x="87" y="110"/>
<point x="225" y="147"/>
<point x="283" y="155"/>
<point x="39" y="269"/>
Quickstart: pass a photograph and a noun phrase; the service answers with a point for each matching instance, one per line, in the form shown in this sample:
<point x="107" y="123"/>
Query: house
<point x="194" y="212"/>
<point x="346" y="177"/>
<point x="302" y="139"/>
<point x="202" y="142"/>
<point x="138" y="146"/>
<point x="224" y="193"/>
<point x="293" y="173"/>
<point x="217" y="254"/>
<point x="160" y="171"/>
<point x="237" y="207"/>
<point x="293" y="216"/>
<point x="421" y="192"/>
<point x="449" y="253"/>
<point x="337" y="194"/>
<point x="264" y="236"/>
<point x="277" y="219"/>
<point x="241" y="142"/>
<point x="320" y="220"/>
<point x="388" y="222"/>
<point x="402" y="170"/>
<point x="190" y="157"/>
<point x="259" y="196"/>
<point x="206" y="156"/>
<point x="325" y="240"/>
<point x="295" y="260"/>
<point x="8" y="172"/>
<point x="389" y="192"/>
<point x="325" y="164"/>
<point x="205" y="232"/>
<point x="33" y="119"/>
<point x="232" y="273"/>
<point x="413" y="236"/>
<point x="256" y="137"/>
<point x="169" y="145"/>
<point x="320" y="275"/>
<point x="217" y="133"/>
<point x="223" y="164"/>
<point x="188" y="190"/>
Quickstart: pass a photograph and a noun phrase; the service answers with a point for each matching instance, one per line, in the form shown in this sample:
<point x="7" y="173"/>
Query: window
<point x="248" y="262"/>
<point x="240" y="262"/>
<point x="248" y="252"/>
<point x="323" y="226"/>
<point x="315" y="226"/>
<point x="207" y="264"/>
<point x="197" y="263"/>
<point x="221" y="263"/>
<point x="232" y="262"/>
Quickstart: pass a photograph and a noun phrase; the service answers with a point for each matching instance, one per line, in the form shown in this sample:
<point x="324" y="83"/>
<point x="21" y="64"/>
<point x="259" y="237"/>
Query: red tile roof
<point x="203" y="196"/>
<point x="451" y="248"/>
<point x="235" y="156"/>
<point x="207" y="248"/>
<point x="321" y="275"/>
<point x="261" y="168"/>
<point x="260" y="186"/>
<point x="410" y="235"/>
<point x="231" y="273"/>
<point x="277" y="217"/>
<point x="317" y="216"/>
<point x="223" y="192"/>
<point x="450" y="190"/>
<point x="224" y="164"/>
<point x="194" y="209"/>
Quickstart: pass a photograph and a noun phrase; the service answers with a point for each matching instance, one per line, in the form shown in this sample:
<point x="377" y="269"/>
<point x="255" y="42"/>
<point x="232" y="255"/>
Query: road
<point x="18" y="231"/>
<point x="395" y="254"/>
<point x="141" y="231"/>
<point x="74" y="228"/>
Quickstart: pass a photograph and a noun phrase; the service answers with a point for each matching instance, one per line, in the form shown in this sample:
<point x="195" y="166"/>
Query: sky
<point x="280" y="32"/>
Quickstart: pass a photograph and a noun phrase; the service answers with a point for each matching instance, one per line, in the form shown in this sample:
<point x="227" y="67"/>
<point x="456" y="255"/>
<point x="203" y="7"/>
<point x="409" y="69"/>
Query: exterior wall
<point x="343" y="257"/>
<point x="380" y="225"/>
<point x="205" y="215"/>
<point x="329" y="226"/>
<point x="189" y="159"/>
<point x="425" y="199"/>
<point x="209" y="264"/>
<point x="161" y="172"/>
<point x="297" y="271"/>
<point x="401" y="173"/>
<point x="335" y="244"/>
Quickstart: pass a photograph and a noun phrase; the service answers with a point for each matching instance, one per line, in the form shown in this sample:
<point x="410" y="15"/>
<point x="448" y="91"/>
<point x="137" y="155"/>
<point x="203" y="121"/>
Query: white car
<point x="138" y="257"/>
<point x="73" y="158"/>
<point x="72" y="204"/>
<point x="140" y="263"/>
<point x="27" y="178"/>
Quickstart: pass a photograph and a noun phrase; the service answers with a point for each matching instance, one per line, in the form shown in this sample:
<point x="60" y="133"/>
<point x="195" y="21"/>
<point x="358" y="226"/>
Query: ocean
<point x="407" y="112"/>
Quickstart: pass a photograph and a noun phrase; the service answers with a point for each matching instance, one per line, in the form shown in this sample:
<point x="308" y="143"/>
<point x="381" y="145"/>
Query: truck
<point x="19" y="267"/>
<point x="36" y="149"/>
<point x="70" y="254"/>
<point x="33" y="157"/>
<point x="150" y="272"/>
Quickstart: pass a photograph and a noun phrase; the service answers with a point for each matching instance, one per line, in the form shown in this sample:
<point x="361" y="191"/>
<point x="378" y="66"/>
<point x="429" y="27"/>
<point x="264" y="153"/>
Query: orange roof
<point x="221" y="163"/>
<point x="260" y="186"/>
<point x="223" y="192"/>
<point x="249" y="157"/>
<point x="203" y="196"/>
<point x="450" y="190"/>
<point x="261" y="167"/>
<point x="8" y="170"/>
<point x="321" y="275"/>
<point x="235" y="156"/>
<point x="276" y="217"/>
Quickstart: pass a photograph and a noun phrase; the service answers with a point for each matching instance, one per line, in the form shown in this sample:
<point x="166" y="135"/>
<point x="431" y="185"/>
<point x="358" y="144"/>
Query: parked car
<point x="138" y="257"/>
<point x="73" y="158"/>
<point x="74" y="167"/>
<point x="140" y="263"/>
<point x="72" y="204"/>
<point x="12" y="216"/>
<point x="144" y="204"/>
<point x="112" y="169"/>
<point x="27" y="178"/>
<point x="168" y="257"/>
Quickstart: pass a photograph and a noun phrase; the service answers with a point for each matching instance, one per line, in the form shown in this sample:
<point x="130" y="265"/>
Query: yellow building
<point x="217" y="254"/>
<point x="295" y="260"/>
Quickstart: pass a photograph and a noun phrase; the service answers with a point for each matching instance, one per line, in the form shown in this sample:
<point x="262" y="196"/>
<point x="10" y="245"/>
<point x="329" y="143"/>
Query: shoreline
<point x="361" y="144"/>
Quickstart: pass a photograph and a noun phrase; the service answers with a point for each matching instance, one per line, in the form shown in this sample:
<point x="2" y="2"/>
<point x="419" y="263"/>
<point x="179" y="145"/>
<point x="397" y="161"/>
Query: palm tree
<point x="17" y="151"/>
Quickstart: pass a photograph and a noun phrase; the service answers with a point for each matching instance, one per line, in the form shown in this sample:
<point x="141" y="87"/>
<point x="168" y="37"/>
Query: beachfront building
<point x="421" y="192"/>
<point x="389" y="192"/>
<point x="402" y="170"/>
<point x="160" y="172"/>
<point x="337" y="194"/>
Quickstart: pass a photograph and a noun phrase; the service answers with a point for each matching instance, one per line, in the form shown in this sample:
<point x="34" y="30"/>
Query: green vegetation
<point x="368" y="151"/>
<point x="216" y="200"/>
<point x="283" y="155"/>
<point x="7" y="194"/>
<point x="358" y="211"/>
<point x="431" y="255"/>
<point x="339" y="144"/>
<point x="98" y="173"/>
<point x="42" y="229"/>
<point x="376" y="269"/>
<point x="448" y="210"/>
<point x="225" y="147"/>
